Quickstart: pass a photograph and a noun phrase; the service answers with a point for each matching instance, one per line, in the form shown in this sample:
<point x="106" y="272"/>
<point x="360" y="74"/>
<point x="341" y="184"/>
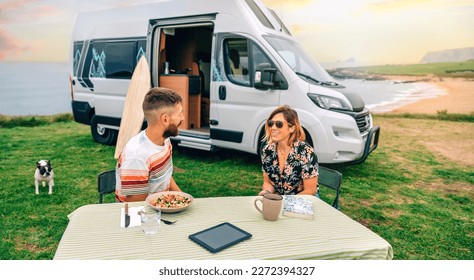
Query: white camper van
<point x="232" y="61"/>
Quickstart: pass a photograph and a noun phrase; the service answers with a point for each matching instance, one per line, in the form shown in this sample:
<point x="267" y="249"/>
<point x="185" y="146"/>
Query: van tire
<point x="102" y="135"/>
<point x="260" y="142"/>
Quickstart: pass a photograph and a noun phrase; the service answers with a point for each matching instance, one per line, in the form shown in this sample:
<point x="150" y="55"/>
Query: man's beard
<point x="172" y="130"/>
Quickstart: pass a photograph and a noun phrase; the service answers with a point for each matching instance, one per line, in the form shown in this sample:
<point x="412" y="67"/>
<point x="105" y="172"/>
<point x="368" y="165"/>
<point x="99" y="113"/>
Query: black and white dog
<point x="44" y="173"/>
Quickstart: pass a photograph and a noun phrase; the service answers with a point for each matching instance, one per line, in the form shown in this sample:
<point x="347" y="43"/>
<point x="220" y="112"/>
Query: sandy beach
<point x="458" y="100"/>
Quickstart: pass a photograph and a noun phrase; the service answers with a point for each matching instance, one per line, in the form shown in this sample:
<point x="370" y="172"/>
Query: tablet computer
<point x="219" y="237"/>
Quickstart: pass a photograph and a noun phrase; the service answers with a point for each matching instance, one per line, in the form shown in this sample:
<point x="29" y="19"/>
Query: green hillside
<point x="448" y="69"/>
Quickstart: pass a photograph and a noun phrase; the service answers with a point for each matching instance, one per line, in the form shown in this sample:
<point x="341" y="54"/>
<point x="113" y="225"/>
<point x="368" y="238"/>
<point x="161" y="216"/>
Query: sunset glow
<point x="367" y="31"/>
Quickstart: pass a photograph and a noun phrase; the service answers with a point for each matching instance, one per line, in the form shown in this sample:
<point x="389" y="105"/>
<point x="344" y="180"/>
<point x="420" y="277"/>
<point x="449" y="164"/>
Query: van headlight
<point x="327" y="102"/>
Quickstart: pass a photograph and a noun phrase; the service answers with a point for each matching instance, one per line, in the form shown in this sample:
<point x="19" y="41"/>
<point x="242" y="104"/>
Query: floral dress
<point x="301" y="163"/>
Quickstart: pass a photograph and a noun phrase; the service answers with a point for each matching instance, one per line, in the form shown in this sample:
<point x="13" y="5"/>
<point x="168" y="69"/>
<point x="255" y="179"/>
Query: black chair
<point x="106" y="183"/>
<point x="332" y="179"/>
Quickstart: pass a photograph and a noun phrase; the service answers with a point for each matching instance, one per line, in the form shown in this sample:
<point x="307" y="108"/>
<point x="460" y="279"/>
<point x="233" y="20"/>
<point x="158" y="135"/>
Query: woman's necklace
<point x="282" y="156"/>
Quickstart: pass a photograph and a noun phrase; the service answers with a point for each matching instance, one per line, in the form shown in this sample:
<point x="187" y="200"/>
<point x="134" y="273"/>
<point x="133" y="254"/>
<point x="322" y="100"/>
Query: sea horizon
<point x="42" y="88"/>
<point x="34" y="88"/>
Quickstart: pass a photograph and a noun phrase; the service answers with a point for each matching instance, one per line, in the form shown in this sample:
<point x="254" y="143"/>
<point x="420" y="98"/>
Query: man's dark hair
<point x="160" y="98"/>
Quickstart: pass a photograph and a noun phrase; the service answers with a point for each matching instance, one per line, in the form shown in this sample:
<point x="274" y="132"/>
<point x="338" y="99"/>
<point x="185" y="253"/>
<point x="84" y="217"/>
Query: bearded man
<point x="145" y="165"/>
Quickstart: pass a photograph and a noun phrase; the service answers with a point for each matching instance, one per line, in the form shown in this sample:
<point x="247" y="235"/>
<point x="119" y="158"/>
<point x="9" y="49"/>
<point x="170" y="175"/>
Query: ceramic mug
<point x="271" y="205"/>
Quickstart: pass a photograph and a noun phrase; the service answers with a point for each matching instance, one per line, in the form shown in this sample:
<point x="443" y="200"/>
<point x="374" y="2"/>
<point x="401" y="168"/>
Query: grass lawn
<point x="416" y="197"/>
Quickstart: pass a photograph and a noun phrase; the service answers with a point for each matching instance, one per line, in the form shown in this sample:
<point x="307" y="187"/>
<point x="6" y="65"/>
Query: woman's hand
<point x="264" y="192"/>
<point x="267" y="186"/>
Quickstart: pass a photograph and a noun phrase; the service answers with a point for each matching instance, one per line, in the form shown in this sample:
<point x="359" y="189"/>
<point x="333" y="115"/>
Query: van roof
<point x="133" y="20"/>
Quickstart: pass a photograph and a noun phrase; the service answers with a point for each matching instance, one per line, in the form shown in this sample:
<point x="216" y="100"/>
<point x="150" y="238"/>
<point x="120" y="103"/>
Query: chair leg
<point x="335" y="203"/>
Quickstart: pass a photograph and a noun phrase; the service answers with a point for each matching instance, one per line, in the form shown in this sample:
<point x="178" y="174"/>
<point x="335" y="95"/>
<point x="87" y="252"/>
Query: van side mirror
<point x="267" y="77"/>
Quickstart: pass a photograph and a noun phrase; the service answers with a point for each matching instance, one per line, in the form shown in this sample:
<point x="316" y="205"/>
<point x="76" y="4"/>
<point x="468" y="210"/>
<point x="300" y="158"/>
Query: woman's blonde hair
<point x="291" y="117"/>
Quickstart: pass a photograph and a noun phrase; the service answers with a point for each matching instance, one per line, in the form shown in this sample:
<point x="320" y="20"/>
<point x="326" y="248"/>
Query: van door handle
<point x="222" y="93"/>
<point x="213" y="122"/>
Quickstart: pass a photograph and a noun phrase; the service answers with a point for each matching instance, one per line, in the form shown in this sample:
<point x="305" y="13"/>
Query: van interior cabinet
<point x="188" y="87"/>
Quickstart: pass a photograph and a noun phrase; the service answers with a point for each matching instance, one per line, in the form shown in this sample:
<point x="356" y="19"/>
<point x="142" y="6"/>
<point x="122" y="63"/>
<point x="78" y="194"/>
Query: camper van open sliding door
<point x="184" y="45"/>
<point x="241" y="108"/>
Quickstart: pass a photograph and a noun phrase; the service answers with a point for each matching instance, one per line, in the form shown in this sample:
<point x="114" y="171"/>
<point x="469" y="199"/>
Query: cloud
<point x="10" y="10"/>
<point x="10" y="46"/>
<point x="27" y="10"/>
<point x="397" y="5"/>
<point x="13" y="17"/>
<point x="287" y="4"/>
<point x="47" y="12"/>
<point x="390" y="5"/>
<point x="8" y="5"/>
<point x="310" y="28"/>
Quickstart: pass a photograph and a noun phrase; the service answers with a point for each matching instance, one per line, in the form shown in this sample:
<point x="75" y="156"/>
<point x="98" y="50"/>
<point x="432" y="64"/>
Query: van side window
<point x="103" y="58"/>
<point x="236" y="61"/>
<point x="241" y="57"/>
<point x="97" y="69"/>
<point x="258" y="56"/>
<point x="77" y="53"/>
<point x="120" y="59"/>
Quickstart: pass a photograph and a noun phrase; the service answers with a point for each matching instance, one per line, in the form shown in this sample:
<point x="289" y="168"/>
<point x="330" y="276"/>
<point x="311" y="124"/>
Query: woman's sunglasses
<point x="279" y="124"/>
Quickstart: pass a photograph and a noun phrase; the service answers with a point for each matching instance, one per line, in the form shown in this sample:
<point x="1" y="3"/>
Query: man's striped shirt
<point x="143" y="167"/>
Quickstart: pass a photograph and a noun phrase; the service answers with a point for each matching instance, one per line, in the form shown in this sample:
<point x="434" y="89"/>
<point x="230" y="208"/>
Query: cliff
<point x="453" y="55"/>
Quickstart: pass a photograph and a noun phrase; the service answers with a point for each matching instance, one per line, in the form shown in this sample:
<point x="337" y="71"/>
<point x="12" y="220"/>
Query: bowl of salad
<point x="170" y="201"/>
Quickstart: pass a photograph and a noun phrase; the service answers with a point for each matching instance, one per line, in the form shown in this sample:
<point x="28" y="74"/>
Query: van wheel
<point x="101" y="134"/>
<point x="260" y="143"/>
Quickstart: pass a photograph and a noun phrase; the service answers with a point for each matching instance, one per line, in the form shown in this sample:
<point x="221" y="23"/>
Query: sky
<point x="371" y="32"/>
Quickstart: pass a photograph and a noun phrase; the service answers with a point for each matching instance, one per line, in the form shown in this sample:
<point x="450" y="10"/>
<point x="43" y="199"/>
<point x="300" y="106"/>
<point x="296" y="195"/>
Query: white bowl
<point x="154" y="196"/>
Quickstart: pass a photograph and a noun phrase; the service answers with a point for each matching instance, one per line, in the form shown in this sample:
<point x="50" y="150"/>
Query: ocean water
<point x="34" y="88"/>
<point x="385" y="96"/>
<point x="42" y="88"/>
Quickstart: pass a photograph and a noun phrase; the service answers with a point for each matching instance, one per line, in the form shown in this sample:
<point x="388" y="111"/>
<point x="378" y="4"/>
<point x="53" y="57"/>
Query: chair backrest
<point x="332" y="179"/>
<point x="106" y="183"/>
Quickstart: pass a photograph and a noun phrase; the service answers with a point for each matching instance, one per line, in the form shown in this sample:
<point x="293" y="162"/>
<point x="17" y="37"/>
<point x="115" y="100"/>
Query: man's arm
<point x="138" y="197"/>
<point x="174" y="186"/>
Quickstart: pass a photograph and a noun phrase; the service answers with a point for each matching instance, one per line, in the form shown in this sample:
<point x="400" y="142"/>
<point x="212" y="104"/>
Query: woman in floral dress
<point x="289" y="165"/>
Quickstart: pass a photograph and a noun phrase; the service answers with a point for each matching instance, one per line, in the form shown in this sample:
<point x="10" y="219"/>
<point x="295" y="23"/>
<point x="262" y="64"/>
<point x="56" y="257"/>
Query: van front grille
<point x="363" y="121"/>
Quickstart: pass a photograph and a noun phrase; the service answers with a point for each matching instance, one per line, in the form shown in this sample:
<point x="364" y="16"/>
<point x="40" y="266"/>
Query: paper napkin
<point x="134" y="216"/>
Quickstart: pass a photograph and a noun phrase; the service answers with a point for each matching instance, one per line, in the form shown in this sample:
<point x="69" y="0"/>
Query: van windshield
<point x="299" y="61"/>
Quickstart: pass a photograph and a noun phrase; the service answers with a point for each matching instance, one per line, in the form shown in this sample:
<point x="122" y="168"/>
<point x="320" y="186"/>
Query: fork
<point x="163" y="220"/>
<point x="168" y="222"/>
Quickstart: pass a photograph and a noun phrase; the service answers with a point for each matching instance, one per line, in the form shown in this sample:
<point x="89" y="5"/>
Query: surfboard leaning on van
<point x="232" y="61"/>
